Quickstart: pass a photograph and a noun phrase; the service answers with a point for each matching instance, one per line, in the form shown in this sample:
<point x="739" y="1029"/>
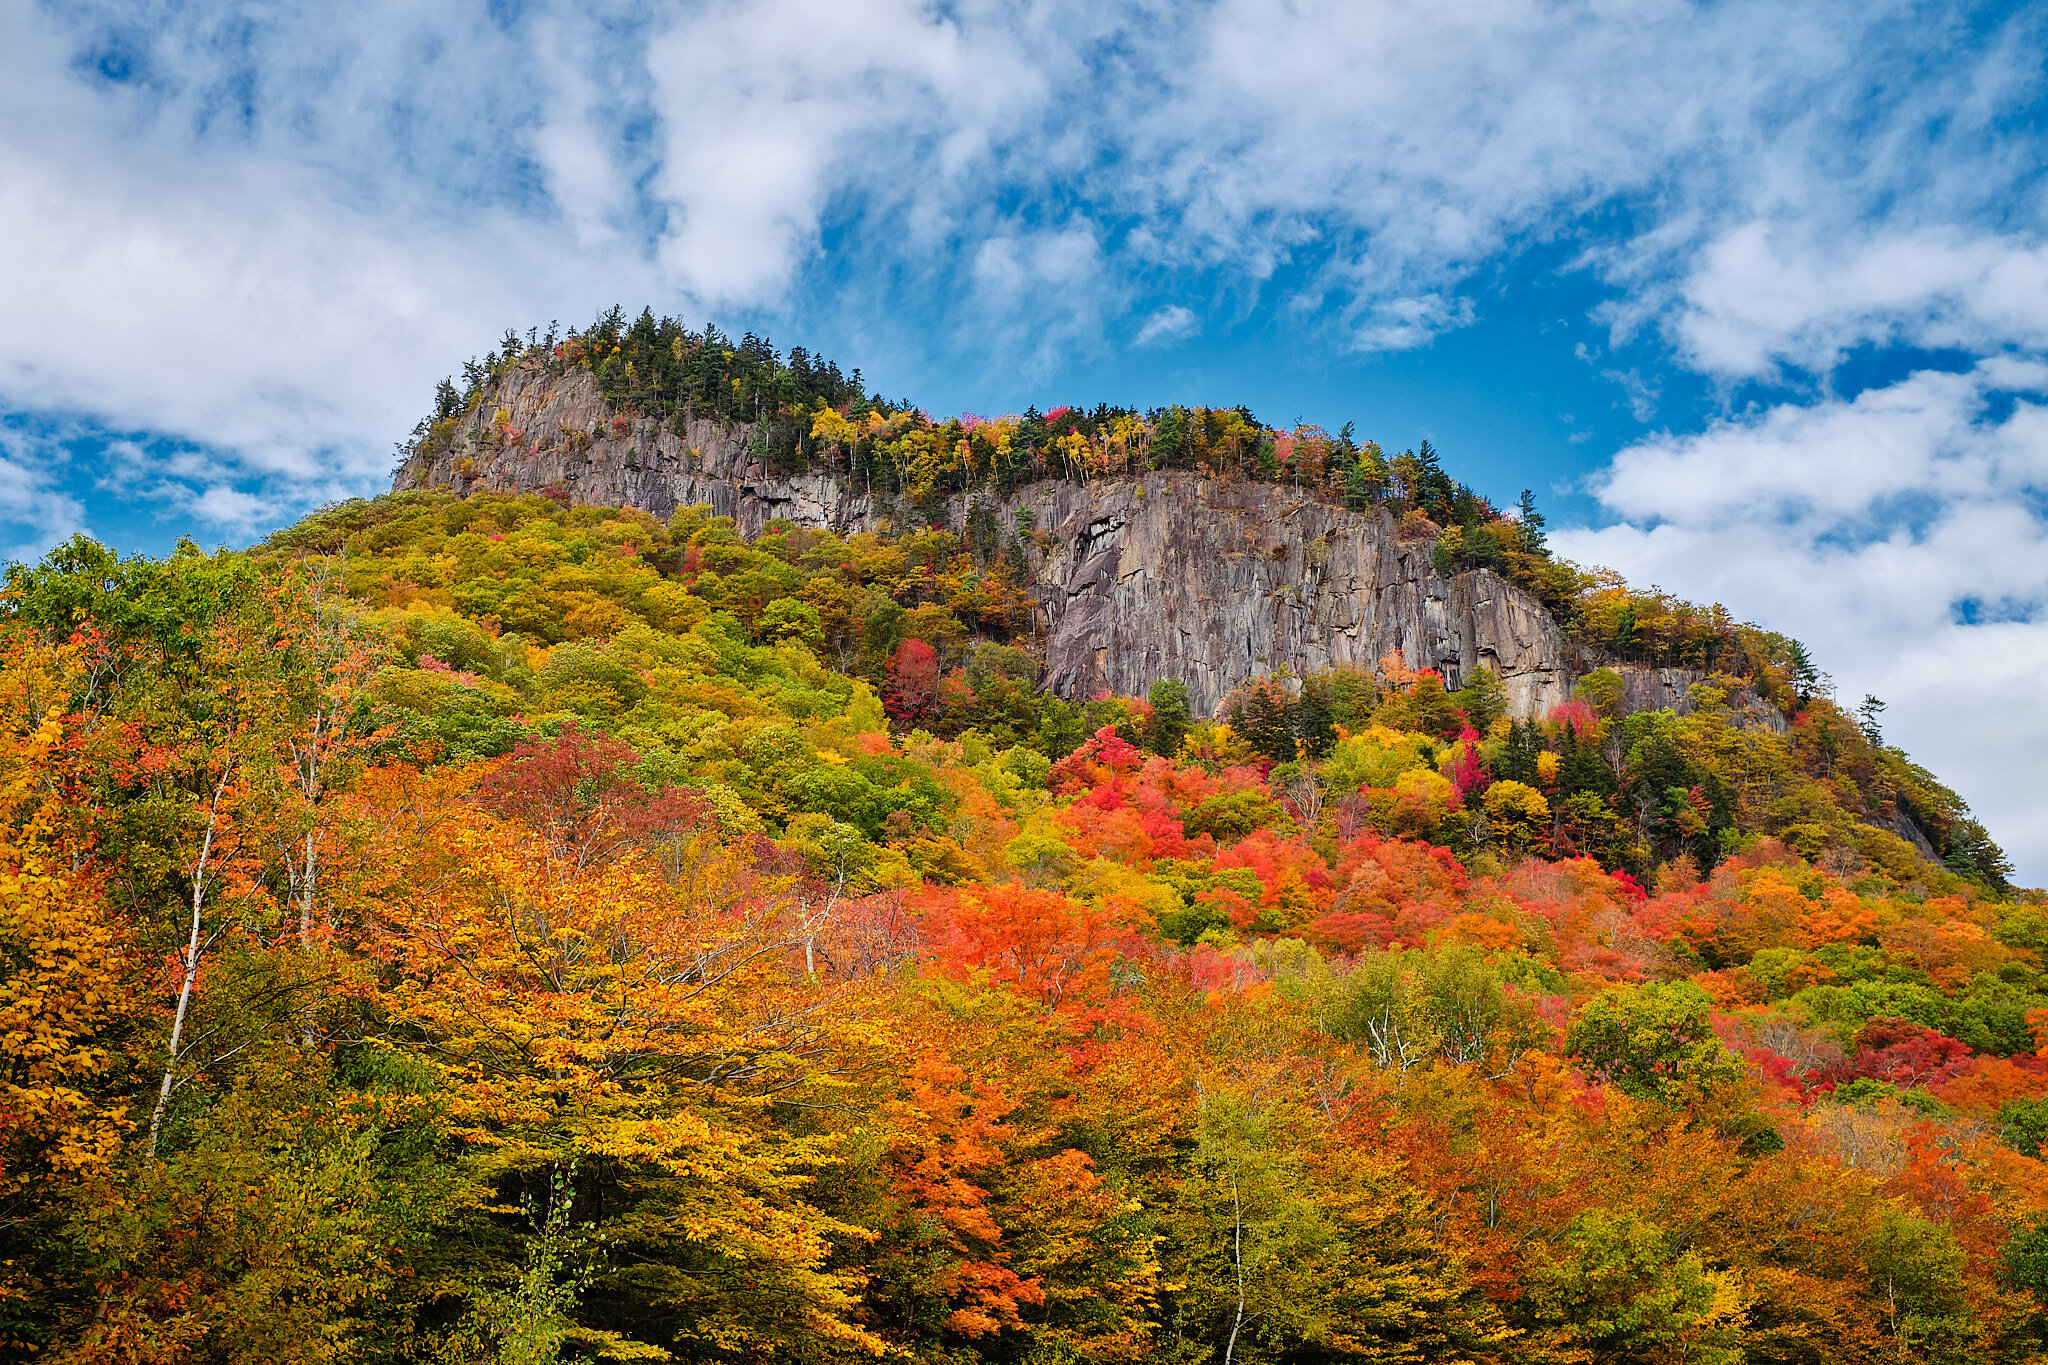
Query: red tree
<point x="1901" y="1053"/>
<point x="578" y="790"/>
<point x="912" y="692"/>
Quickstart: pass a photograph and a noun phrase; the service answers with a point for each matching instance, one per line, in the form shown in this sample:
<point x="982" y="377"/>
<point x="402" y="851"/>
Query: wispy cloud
<point x="1640" y="393"/>
<point x="328" y="208"/>
<point x="35" y="511"/>
<point x="1862" y="526"/>
<point x="1170" y="323"/>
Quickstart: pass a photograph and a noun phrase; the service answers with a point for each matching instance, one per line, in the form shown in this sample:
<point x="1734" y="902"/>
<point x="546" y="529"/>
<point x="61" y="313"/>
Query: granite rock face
<point x="1175" y="576"/>
<point x="559" y="433"/>
<point x="1644" y="688"/>
<point x="1169" y="575"/>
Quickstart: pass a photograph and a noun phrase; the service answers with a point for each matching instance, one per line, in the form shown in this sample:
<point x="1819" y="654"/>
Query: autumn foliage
<point x="552" y="935"/>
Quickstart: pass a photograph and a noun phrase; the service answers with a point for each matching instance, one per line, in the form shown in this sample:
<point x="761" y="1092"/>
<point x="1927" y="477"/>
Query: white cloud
<point x="1862" y="527"/>
<point x="1009" y="268"/>
<point x="34" y="512"/>
<point x="769" y="110"/>
<point x="326" y="208"/>
<point x="1918" y="436"/>
<point x="1640" y="393"/>
<point x="246" y="293"/>
<point x="1170" y="323"/>
<point x="1760" y="296"/>
<point x="573" y="142"/>
<point x="295" y="219"/>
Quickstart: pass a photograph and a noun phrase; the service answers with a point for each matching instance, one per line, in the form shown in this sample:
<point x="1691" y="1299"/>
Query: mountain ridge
<point x="1185" y="547"/>
<point x="1106" y="554"/>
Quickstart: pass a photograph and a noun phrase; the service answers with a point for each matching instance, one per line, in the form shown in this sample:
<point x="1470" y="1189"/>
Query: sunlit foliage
<point x="488" y="930"/>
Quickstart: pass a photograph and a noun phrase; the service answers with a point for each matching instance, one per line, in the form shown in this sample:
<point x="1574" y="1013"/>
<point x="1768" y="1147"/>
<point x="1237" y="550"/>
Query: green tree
<point x="1171" y="717"/>
<point x="1260" y="718"/>
<point x="787" y="619"/>
<point x="1603" y="691"/>
<point x="1917" y="1272"/>
<point x="1445" y="1003"/>
<point x="1654" y="1040"/>
<point x="1623" y="1289"/>
<point x="1312" y="719"/>
<point x="1483" y="698"/>
<point x="1280" y="1255"/>
<point x="2026" y="1268"/>
<point x="1531" y="523"/>
<point x="2023" y="1126"/>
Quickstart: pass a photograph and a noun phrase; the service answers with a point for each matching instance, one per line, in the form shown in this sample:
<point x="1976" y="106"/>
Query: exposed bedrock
<point x="1175" y="576"/>
<point x="1166" y="576"/>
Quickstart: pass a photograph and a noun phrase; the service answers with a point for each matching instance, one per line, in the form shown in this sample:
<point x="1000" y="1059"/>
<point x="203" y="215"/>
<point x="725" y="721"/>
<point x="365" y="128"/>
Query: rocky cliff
<point x="1166" y="576"/>
<point x="1175" y="576"/>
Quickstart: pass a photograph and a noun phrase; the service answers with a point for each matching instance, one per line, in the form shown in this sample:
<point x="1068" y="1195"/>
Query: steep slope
<point x="1170" y="574"/>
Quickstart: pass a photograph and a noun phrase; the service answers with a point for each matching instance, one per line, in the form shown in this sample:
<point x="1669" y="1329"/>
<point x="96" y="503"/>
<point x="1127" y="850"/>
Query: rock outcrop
<point x="541" y="430"/>
<point x="1169" y="575"/>
<point x="1175" y="576"/>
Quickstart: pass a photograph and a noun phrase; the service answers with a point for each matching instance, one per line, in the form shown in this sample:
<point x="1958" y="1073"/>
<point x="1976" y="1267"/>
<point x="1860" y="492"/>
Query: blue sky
<point x="1755" y="297"/>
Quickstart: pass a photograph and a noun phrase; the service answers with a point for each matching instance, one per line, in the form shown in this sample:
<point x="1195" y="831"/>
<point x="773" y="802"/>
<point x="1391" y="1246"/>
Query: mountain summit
<point x="1185" y="544"/>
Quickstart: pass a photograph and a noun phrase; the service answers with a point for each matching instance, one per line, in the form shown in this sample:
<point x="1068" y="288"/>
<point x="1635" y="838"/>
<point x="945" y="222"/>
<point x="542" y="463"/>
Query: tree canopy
<point x="492" y="930"/>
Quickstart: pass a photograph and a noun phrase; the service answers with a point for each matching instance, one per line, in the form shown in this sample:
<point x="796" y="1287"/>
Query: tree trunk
<point x="191" y="963"/>
<point x="1237" y="1264"/>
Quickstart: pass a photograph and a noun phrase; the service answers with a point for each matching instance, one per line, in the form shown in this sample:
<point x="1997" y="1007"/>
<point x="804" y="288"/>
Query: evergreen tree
<point x="1435" y="490"/>
<point x="1261" y="720"/>
<point x="1581" y="769"/>
<point x="1531" y="523"/>
<point x="1311" y="719"/>
<point x="1805" y="677"/>
<point x="1171" y="716"/>
<point x="1357" y="488"/>
<point x="1517" y="761"/>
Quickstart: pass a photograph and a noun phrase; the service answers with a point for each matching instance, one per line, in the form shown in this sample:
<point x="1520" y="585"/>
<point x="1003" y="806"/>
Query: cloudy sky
<point x="1758" y="304"/>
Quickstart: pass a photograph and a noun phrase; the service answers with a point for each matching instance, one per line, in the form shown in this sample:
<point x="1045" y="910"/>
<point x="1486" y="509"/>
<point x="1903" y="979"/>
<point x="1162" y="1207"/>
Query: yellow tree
<point x="614" y="1011"/>
<point x="320" y="662"/>
<point x="1284" y="1236"/>
<point x="829" y="424"/>
<point x="210" y="742"/>
<point x="64" y="982"/>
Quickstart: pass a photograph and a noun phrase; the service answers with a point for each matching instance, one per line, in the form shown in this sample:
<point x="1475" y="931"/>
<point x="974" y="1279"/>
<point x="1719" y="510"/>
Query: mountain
<point x="1168" y="574"/>
<point x="720" y="866"/>
<point x="1182" y="545"/>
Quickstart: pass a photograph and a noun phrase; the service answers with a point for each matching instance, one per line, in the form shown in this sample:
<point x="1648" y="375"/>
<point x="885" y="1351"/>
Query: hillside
<point x="1134" y="576"/>
<point x="820" y="884"/>
<point x="1189" y="546"/>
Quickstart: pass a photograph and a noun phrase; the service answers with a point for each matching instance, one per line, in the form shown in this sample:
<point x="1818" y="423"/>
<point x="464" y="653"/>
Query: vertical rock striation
<point x="1215" y="583"/>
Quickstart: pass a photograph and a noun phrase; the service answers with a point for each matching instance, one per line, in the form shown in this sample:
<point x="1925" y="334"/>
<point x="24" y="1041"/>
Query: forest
<point x="488" y="929"/>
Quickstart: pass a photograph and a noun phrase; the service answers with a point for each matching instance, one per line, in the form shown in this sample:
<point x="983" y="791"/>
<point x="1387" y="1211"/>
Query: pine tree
<point x="1311" y="721"/>
<point x="1261" y="719"/>
<point x="1531" y="523"/>
<point x="1171" y="716"/>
